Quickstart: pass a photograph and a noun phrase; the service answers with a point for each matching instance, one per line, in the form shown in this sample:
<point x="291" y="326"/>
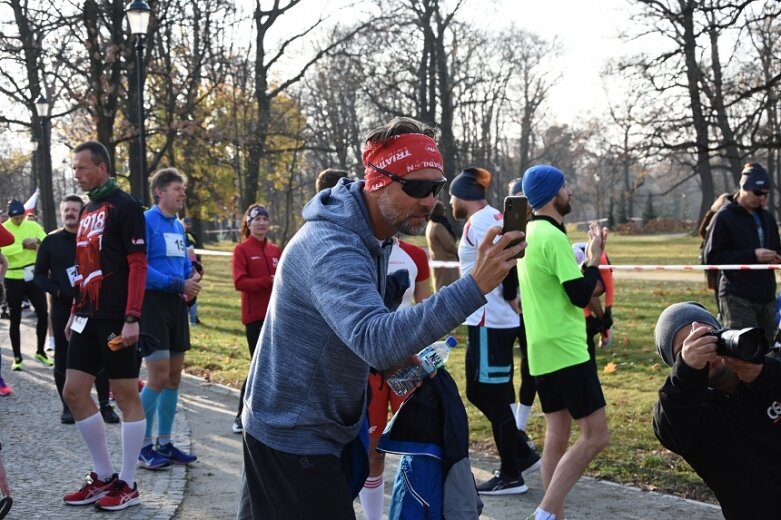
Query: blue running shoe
<point x="174" y="454"/>
<point x="151" y="459"/>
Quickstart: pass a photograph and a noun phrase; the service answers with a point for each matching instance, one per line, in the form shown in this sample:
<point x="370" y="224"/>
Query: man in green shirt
<point x="553" y="294"/>
<point x="19" y="281"/>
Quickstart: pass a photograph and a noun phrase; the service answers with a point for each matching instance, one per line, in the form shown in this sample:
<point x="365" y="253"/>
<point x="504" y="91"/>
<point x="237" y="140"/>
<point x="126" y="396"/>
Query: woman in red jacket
<point x="255" y="261"/>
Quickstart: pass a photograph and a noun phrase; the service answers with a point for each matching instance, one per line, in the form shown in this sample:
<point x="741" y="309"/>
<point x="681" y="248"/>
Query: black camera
<point x="749" y="344"/>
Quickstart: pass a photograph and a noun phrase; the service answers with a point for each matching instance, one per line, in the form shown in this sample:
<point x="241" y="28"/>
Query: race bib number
<point x="79" y="322"/>
<point x="73" y="275"/>
<point x="29" y="273"/>
<point x="174" y="244"/>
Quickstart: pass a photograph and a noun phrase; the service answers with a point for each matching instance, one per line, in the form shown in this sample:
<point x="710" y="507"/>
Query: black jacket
<point x="732" y="442"/>
<point x="732" y="239"/>
<point x="56" y="254"/>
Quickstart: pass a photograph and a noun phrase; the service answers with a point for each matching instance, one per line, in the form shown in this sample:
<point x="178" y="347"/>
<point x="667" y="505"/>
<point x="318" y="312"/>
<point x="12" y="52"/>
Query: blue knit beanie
<point x="541" y="183"/>
<point x="468" y="185"/>
<point x="754" y="177"/>
<point x="15" y="208"/>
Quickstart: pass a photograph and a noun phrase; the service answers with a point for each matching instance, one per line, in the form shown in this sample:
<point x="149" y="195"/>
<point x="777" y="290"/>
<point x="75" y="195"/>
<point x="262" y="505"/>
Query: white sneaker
<point x="237" y="426"/>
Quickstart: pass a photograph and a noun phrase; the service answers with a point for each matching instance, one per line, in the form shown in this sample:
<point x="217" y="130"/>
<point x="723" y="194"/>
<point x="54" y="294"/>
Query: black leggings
<point x="253" y="333"/>
<point x="16" y="290"/>
<point x="61" y="358"/>
<point x="493" y="400"/>
<point x="528" y="388"/>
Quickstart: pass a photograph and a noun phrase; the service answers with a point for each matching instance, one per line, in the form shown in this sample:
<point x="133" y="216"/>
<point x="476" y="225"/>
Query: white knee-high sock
<point x="373" y="497"/>
<point x="522" y="416"/>
<point x="132" y="440"/>
<point x="93" y="431"/>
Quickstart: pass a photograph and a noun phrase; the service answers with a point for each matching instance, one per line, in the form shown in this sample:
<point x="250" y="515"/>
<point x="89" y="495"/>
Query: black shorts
<point x="164" y="317"/>
<point x="88" y="351"/>
<point x="576" y="389"/>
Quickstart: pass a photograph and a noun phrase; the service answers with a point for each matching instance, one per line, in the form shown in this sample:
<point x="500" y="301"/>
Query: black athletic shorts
<point x="88" y="351"/>
<point x="164" y="317"/>
<point x="576" y="389"/>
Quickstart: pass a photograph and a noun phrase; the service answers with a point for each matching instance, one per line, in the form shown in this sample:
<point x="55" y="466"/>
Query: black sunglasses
<point x="760" y="193"/>
<point x="418" y="189"/>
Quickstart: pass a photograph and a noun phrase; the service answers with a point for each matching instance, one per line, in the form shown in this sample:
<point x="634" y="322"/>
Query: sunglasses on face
<point x="760" y="193"/>
<point x="418" y="189"/>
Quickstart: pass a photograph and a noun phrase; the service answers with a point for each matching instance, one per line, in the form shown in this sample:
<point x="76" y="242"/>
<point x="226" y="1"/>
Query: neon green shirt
<point x="555" y="328"/>
<point x="19" y="257"/>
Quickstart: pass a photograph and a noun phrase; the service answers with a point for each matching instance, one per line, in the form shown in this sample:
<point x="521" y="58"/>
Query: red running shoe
<point x="4" y="388"/>
<point x="92" y="490"/>
<point x="119" y="496"/>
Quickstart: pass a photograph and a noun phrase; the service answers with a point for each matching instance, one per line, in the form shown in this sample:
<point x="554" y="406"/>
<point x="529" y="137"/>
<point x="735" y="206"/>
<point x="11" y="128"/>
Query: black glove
<point x="395" y="286"/>
<point x="607" y="320"/>
<point x="593" y="325"/>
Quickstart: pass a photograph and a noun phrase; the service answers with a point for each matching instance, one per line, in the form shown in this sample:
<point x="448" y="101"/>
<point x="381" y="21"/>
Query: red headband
<point x="400" y="155"/>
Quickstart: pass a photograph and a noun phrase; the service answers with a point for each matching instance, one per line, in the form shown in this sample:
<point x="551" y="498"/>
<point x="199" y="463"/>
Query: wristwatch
<point x="131" y="319"/>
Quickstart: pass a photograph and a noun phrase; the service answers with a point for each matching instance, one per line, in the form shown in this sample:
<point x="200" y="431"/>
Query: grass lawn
<point x="634" y="456"/>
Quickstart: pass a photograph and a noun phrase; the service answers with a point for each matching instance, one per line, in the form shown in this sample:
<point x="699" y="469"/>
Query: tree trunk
<point x="703" y="166"/>
<point x="722" y="118"/>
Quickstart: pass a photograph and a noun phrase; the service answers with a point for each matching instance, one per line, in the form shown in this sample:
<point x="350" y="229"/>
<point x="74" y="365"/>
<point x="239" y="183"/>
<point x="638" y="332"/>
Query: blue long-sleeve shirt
<point x="168" y="265"/>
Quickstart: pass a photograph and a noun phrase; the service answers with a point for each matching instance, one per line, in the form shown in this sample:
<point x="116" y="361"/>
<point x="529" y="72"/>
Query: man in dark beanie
<point x="721" y="414"/>
<point x="492" y="330"/>
<point x="744" y="232"/>
<point x="553" y="292"/>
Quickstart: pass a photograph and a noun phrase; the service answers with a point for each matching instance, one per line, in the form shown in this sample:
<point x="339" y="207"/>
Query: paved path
<point x="44" y="459"/>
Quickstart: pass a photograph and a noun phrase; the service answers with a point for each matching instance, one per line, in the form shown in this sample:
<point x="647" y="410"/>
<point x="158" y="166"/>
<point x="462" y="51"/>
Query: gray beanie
<point x="675" y="317"/>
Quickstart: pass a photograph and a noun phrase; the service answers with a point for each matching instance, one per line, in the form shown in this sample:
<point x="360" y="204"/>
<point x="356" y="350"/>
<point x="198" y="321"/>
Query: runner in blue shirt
<point x="165" y="329"/>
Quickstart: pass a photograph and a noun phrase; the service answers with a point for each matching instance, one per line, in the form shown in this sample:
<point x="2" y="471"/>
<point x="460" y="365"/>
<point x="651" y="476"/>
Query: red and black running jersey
<point x="109" y="230"/>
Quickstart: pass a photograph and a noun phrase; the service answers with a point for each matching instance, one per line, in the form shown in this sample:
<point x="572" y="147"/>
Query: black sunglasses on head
<point x="418" y="189"/>
<point x="760" y="193"/>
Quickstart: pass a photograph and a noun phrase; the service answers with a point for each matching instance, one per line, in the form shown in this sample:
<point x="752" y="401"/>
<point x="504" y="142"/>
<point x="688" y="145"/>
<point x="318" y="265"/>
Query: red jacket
<point x="254" y="265"/>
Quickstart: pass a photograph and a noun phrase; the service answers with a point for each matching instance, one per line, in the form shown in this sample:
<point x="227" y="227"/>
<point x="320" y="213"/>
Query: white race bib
<point x="79" y="322"/>
<point x="174" y="244"/>
<point x="28" y="273"/>
<point x="73" y="275"/>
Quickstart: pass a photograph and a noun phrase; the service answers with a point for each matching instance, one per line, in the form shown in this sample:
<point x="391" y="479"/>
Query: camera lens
<point x="748" y="344"/>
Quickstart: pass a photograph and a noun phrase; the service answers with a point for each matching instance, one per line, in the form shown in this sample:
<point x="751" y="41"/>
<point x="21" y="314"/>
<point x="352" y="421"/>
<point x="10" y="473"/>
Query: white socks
<point x="541" y="514"/>
<point x="373" y="497"/>
<point x="93" y="431"/>
<point x="132" y="439"/>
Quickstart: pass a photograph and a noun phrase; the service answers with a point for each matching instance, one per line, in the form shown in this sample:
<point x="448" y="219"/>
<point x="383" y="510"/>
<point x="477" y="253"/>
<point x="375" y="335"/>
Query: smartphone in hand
<point x="516" y="212"/>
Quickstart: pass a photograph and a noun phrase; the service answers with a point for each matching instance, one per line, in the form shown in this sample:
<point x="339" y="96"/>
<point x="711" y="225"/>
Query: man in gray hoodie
<point x="305" y="403"/>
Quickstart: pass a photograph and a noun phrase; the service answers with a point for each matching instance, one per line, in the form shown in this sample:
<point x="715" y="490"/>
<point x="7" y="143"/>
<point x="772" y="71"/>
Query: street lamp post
<point x="49" y="221"/>
<point x="34" y="161"/>
<point x="138" y="12"/>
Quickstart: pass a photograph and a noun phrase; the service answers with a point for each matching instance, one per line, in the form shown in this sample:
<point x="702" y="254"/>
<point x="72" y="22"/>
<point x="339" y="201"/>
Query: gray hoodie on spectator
<point x="326" y="324"/>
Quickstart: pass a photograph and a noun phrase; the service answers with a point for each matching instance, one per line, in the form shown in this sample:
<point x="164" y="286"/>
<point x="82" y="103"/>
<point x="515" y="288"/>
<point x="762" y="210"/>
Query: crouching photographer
<point x="720" y="408"/>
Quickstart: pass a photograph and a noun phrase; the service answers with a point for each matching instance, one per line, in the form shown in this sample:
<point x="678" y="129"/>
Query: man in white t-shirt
<point x="409" y="257"/>
<point x="492" y="332"/>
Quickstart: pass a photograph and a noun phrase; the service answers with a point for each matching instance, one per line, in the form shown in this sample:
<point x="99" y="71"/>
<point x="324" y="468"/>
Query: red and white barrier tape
<point x="211" y="252"/>
<point x="650" y="267"/>
<point x="681" y="267"/>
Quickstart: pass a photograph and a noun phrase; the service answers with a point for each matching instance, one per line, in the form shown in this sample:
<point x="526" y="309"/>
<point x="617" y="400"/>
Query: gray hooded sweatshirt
<point x="326" y="324"/>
